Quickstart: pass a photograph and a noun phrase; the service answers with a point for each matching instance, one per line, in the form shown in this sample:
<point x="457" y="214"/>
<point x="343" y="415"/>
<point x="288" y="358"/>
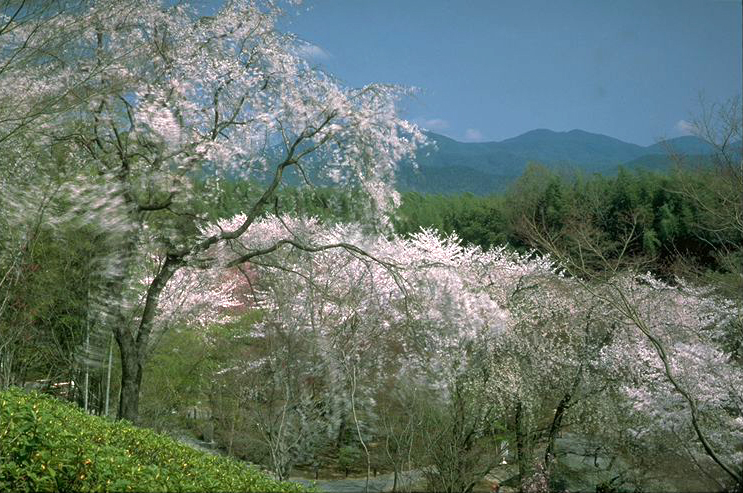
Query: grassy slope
<point x="51" y="445"/>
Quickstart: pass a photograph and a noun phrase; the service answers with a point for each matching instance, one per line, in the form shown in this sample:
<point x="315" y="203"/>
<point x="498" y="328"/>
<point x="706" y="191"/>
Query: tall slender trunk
<point x="554" y="429"/>
<point x="134" y="348"/>
<point x="341" y="430"/>
<point x="108" y="374"/>
<point x="520" y="445"/>
<point x="358" y="428"/>
<point x="99" y="394"/>
<point x="87" y="366"/>
<point x="131" y="377"/>
<point x="87" y="352"/>
<point x="232" y="427"/>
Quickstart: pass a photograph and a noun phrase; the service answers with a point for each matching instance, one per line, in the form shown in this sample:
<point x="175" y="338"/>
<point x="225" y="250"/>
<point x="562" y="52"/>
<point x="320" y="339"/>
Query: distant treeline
<point x="670" y="223"/>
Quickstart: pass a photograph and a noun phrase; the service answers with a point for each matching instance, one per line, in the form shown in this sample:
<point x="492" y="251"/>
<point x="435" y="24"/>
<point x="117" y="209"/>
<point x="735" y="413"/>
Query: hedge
<point x="51" y="445"/>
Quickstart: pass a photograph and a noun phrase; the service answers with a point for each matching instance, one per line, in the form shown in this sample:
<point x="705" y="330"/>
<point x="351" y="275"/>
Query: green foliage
<point x="669" y="223"/>
<point x="636" y="216"/>
<point x="348" y="457"/>
<point x="328" y="204"/>
<point x="480" y="221"/>
<point x="174" y="376"/>
<point x="43" y="320"/>
<point x="48" y="445"/>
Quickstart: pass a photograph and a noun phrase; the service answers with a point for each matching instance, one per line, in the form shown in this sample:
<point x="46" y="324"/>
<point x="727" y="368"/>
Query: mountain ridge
<point x="448" y="166"/>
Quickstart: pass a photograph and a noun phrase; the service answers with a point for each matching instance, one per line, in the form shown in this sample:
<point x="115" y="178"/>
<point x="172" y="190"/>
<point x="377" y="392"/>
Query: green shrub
<point x="50" y="445"/>
<point x="348" y="457"/>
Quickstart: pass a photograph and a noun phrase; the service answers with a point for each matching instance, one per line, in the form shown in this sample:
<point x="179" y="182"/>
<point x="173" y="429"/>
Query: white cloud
<point x="432" y="123"/>
<point x="312" y="52"/>
<point x="685" y="128"/>
<point x="472" y="134"/>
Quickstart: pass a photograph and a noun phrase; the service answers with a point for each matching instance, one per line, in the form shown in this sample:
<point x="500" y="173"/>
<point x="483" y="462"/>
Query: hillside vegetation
<point x="483" y="168"/>
<point x="670" y="223"/>
<point x="663" y="222"/>
<point x="50" y="445"/>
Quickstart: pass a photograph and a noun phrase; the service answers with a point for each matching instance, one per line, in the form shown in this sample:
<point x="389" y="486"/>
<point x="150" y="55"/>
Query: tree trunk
<point x="131" y="378"/>
<point x="134" y="350"/>
<point x="232" y="432"/>
<point x="358" y="428"/>
<point x="87" y="366"/>
<point x="341" y="431"/>
<point x="108" y="373"/>
<point x="554" y="429"/>
<point x="520" y="446"/>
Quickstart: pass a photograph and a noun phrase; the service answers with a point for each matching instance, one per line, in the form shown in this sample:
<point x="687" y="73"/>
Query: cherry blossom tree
<point x="149" y="98"/>
<point x="548" y="352"/>
<point x="678" y="374"/>
<point x="508" y="337"/>
<point x="675" y="320"/>
<point x="328" y="303"/>
<point x="482" y="331"/>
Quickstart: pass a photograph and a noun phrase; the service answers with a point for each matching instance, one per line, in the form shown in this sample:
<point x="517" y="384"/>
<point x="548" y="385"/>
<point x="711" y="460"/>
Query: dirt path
<point x="383" y="482"/>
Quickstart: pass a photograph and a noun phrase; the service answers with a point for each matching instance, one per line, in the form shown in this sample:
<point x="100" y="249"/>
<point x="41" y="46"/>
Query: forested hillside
<point x="655" y="221"/>
<point x="659" y="221"/>
<point x="448" y="167"/>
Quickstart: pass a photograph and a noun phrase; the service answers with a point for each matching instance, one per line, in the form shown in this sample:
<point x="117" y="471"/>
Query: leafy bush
<point x="50" y="445"/>
<point x="348" y="457"/>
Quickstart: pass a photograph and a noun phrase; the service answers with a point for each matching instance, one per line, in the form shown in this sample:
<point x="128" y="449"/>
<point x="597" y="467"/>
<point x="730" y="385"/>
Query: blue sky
<point x="490" y="70"/>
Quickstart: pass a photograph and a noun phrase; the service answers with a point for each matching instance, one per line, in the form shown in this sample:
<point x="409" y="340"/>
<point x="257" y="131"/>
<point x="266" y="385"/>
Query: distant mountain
<point x="686" y="145"/>
<point x="449" y="180"/>
<point x="487" y="157"/>
<point x="448" y="166"/>
<point x="575" y="146"/>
